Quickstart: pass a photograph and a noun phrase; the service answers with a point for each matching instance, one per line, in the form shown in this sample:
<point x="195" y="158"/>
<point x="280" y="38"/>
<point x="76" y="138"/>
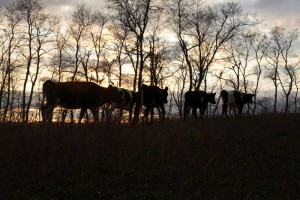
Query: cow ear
<point x="166" y="88"/>
<point x="143" y="86"/>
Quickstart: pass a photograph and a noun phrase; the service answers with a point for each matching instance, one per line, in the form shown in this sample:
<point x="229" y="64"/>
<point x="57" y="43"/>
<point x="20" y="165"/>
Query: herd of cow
<point x="89" y="95"/>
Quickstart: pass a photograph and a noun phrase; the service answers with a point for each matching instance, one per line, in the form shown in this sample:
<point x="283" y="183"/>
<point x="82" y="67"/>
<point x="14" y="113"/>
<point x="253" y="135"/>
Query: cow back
<point x="224" y="96"/>
<point x="232" y="98"/>
<point x="73" y="95"/>
<point x="153" y="95"/>
<point x="127" y="97"/>
<point x="236" y="99"/>
<point x="195" y="99"/>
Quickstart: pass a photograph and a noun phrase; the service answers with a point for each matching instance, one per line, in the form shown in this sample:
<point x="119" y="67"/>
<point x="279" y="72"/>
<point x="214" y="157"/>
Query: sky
<point x="283" y="13"/>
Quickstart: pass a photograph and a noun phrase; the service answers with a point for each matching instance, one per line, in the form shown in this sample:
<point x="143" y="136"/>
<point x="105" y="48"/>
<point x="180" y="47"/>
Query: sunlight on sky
<point x="63" y="10"/>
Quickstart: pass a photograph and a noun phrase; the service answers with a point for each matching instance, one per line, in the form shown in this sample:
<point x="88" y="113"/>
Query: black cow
<point x="76" y="95"/>
<point x="151" y="97"/>
<point x="235" y="100"/>
<point x="197" y="99"/>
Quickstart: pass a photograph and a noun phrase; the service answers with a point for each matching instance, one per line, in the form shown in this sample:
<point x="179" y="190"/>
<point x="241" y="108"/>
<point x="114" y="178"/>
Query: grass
<point x="235" y="158"/>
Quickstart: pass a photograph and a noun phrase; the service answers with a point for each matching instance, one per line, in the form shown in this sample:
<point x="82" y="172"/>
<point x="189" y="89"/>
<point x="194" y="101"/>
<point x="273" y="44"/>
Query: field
<point x="235" y="158"/>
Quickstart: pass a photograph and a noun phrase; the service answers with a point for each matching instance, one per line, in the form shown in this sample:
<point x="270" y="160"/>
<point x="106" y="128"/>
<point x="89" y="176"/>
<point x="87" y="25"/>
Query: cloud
<point x="4" y="3"/>
<point x="275" y="12"/>
<point x="60" y="7"/>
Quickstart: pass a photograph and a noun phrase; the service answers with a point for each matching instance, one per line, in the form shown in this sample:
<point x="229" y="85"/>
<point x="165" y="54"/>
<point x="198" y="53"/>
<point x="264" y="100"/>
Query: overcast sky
<point x="274" y="12"/>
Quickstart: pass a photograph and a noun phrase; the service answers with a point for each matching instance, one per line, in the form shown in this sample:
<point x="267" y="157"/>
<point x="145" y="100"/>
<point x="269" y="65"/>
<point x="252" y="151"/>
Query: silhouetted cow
<point x="235" y="100"/>
<point x="151" y="97"/>
<point x="197" y="99"/>
<point x="76" y="95"/>
<point x="126" y="104"/>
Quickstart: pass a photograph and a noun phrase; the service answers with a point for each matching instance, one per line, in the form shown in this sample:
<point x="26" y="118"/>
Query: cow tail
<point x="42" y="100"/>
<point x="42" y="104"/>
<point x="142" y="100"/>
<point x="139" y="99"/>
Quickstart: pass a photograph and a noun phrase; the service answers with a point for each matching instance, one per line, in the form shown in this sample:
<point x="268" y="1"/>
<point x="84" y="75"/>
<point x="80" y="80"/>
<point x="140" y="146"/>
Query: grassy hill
<point x="235" y="158"/>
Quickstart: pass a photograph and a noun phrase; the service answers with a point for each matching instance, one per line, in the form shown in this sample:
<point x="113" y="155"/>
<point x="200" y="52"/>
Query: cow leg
<point x="202" y="112"/>
<point x="231" y="112"/>
<point x="147" y="114"/>
<point x="120" y="115"/>
<point x="234" y="111"/>
<point x="43" y="112"/>
<point x="152" y="113"/>
<point x="186" y="111"/>
<point x="194" y="111"/>
<point x="163" y="113"/>
<point x="95" y="113"/>
<point x="47" y="113"/>
<point x="109" y="108"/>
<point x="130" y="115"/>
<point x="63" y="116"/>
<point x="159" y="113"/>
<point x="224" y="110"/>
<point x="240" y="110"/>
<point x="82" y="111"/>
<point x="103" y="113"/>
<point x="136" y="115"/>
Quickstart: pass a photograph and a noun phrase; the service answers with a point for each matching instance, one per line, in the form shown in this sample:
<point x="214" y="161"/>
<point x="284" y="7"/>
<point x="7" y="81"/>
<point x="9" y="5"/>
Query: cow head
<point x="248" y="98"/>
<point x="114" y="94"/>
<point x="211" y="98"/>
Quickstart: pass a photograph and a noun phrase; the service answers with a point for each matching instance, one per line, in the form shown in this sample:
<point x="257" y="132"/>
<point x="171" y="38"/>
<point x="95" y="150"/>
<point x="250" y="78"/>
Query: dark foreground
<point x="249" y="158"/>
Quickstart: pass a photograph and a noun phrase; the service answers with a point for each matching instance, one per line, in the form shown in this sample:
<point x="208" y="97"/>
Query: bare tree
<point x="118" y="48"/>
<point x="273" y="59"/>
<point x="202" y="32"/>
<point x="259" y="46"/>
<point x="82" y="20"/>
<point x="44" y="26"/>
<point x="239" y="57"/>
<point x="98" y="38"/>
<point x="59" y="58"/>
<point x="297" y="84"/>
<point x="290" y="65"/>
<point x="10" y="54"/>
<point x="38" y="26"/>
<point x="179" y="87"/>
<point x="134" y="17"/>
<point x="29" y="10"/>
<point x="281" y="65"/>
<point x="159" y="61"/>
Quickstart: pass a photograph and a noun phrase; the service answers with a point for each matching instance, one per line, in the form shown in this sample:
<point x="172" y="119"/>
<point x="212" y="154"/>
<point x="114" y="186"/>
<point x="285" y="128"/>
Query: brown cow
<point x="76" y="95"/>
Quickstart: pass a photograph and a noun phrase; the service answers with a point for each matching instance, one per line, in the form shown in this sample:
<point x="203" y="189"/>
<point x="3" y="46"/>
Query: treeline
<point x="187" y="45"/>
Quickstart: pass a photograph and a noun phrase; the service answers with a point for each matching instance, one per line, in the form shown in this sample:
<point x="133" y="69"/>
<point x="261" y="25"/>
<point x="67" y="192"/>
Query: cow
<point x="197" y="99"/>
<point x="76" y="95"/>
<point x="128" y="100"/>
<point x="151" y="97"/>
<point x="234" y="99"/>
